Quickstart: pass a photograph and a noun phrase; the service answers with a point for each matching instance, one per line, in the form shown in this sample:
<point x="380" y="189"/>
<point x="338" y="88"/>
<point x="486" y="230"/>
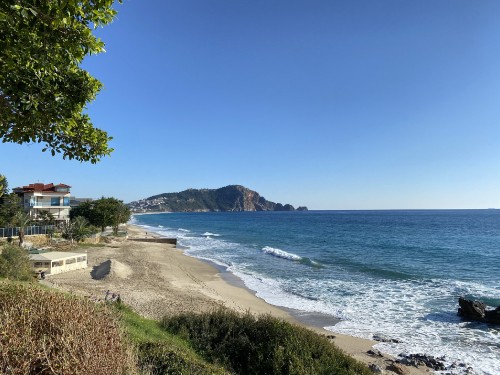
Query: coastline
<point x="159" y="279"/>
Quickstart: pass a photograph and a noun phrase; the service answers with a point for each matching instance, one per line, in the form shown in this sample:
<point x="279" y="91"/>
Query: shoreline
<point x="159" y="279"/>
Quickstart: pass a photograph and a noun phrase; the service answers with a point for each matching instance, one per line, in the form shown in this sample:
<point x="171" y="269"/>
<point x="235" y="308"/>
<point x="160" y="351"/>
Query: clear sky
<point x="331" y="104"/>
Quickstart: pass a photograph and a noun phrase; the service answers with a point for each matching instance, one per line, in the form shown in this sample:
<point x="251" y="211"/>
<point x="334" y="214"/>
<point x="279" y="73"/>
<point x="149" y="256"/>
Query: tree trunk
<point x="21" y="237"/>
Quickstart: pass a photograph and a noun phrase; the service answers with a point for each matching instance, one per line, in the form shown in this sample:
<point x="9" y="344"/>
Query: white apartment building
<point x="40" y="197"/>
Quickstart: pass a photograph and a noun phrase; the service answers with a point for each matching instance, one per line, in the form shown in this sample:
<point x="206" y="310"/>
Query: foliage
<point x="43" y="90"/>
<point x="160" y="352"/>
<point x="4" y="185"/>
<point x="46" y="332"/>
<point x="264" y="345"/>
<point x="77" y="229"/>
<point x="46" y="218"/>
<point x="21" y="220"/>
<point x="15" y="264"/>
<point x="103" y="212"/>
<point x="10" y="205"/>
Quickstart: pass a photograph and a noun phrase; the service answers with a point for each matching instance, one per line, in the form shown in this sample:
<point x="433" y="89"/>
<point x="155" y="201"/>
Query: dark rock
<point x="417" y="360"/>
<point x="471" y="309"/>
<point x="476" y="310"/>
<point x="381" y="338"/>
<point x="375" y="369"/>
<point x="492" y="316"/>
<point x="374" y="353"/>
<point x="397" y="368"/>
<point x="302" y="208"/>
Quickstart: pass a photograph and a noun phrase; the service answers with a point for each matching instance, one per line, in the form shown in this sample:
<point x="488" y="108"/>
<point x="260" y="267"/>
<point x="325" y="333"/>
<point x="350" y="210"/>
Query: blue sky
<point x="331" y="104"/>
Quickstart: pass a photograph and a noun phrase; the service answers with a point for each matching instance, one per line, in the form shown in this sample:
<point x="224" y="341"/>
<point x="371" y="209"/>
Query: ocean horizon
<point x="390" y="274"/>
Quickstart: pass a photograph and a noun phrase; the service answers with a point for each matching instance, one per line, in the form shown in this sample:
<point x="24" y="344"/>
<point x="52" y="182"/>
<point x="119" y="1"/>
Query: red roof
<point x="41" y="187"/>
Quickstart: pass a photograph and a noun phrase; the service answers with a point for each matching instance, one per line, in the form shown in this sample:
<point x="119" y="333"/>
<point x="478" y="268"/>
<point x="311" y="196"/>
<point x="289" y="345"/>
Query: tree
<point x="43" y="90"/>
<point x="4" y="186"/>
<point x="77" y="229"/>
<point x="21" y="219"/>
<point x="46" y="218"/>
<point x="10" y="205"/>
<point x="122" y="215"/>
<point x="103" y="212"/>
<point x="15" y="264"/>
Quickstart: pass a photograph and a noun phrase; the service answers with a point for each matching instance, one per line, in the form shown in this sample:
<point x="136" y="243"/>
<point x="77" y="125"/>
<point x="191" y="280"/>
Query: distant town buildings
<point x="39" y="197"/>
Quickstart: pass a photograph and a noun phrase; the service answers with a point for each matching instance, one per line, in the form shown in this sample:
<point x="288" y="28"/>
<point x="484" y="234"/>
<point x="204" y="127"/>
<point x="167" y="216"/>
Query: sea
<point x="392" y="275"/>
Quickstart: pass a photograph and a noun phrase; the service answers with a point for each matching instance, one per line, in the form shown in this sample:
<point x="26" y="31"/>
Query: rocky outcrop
<point x="476" y="310"/>
<point x="228" y="198"/>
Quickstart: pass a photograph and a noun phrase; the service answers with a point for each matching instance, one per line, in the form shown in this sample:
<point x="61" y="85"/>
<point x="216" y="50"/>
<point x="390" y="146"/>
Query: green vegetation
<point x="264" y="345"/>
<point x="160" y="352"/>
<point x="15" y="263"/>
<point x="43" y="90"/>
<point x="46" y="332"/>
<point x="77" y="229"/>
<point x="10" y="204"/>
<point x="103" y="212"/>
<point x="4" y="186"/>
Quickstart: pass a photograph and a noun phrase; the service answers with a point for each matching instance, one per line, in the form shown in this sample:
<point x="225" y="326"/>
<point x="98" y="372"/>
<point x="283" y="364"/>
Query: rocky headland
<point x="228" y="198"/>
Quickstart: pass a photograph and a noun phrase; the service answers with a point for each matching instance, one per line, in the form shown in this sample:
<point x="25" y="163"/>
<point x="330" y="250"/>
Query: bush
<point x="159" y="358"/>
<point x="264" y="345"/>
<point x="15" y="264"/>
<point x="47" y="332"/>
<point x="160" y="352"/>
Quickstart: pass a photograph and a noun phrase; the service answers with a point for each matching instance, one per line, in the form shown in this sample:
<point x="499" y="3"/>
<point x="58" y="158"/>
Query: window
<point x="57" y="264"/>
<point x="71" y="261"/>
<point x="54" y="201"/>
<point x="81" y="259"/>
<point x="66" y="201"/>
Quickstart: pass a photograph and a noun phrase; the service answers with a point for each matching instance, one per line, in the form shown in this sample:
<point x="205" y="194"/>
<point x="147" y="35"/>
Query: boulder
<point x="476" y="310"/>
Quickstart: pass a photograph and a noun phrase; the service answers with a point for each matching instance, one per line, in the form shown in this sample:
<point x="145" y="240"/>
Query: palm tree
<point x="21" y="220"/>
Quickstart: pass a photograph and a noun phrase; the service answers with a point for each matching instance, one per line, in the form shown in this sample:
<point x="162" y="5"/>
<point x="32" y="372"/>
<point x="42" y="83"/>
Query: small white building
<point x="55" y="262"/>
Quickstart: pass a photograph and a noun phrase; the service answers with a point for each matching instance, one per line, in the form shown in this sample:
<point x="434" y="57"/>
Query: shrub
<point x="157" y="358"/>
<point x="15" y="264"/>
<point x="264" y="345"/>
<point x="160" y="352"/>
<point x="47" y="332"/>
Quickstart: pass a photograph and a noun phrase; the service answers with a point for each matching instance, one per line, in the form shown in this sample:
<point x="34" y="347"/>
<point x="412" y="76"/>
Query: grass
<point x="161" y="352"/>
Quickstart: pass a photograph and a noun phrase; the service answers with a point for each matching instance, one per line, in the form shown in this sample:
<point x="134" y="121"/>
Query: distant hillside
<point x="228" y="198"/>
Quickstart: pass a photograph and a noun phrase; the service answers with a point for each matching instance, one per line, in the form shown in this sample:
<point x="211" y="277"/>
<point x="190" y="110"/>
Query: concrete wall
<point x="172" y="241"/>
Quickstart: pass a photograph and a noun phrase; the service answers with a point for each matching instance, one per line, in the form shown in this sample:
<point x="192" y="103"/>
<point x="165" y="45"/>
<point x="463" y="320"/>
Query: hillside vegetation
<point x="47" y="332"/>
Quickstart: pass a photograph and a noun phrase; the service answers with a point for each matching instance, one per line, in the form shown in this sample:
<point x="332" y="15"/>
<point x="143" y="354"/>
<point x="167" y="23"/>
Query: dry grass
<point x="46" y="332"/>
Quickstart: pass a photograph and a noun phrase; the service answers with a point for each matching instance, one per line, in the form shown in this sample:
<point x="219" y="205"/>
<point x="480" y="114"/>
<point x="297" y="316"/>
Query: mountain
<point x="228" y="198"/>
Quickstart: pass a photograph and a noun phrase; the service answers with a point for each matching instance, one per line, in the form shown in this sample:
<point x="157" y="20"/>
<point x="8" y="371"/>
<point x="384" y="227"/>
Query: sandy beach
<point x="157" y="279"/>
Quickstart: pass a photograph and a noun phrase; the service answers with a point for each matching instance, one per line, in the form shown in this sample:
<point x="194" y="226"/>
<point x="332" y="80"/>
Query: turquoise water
<point x="396" y="274"/>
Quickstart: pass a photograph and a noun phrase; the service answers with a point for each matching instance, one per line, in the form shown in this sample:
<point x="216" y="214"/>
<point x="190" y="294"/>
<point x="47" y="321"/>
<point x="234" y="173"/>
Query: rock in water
<point x="471" y="309"/>
<point x="476" y="310"/>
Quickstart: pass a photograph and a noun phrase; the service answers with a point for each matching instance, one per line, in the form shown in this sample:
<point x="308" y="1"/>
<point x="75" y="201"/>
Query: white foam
<point x="208" y="234"/>
<point x="420" y="314"/>
<point x="280" y="253"/>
